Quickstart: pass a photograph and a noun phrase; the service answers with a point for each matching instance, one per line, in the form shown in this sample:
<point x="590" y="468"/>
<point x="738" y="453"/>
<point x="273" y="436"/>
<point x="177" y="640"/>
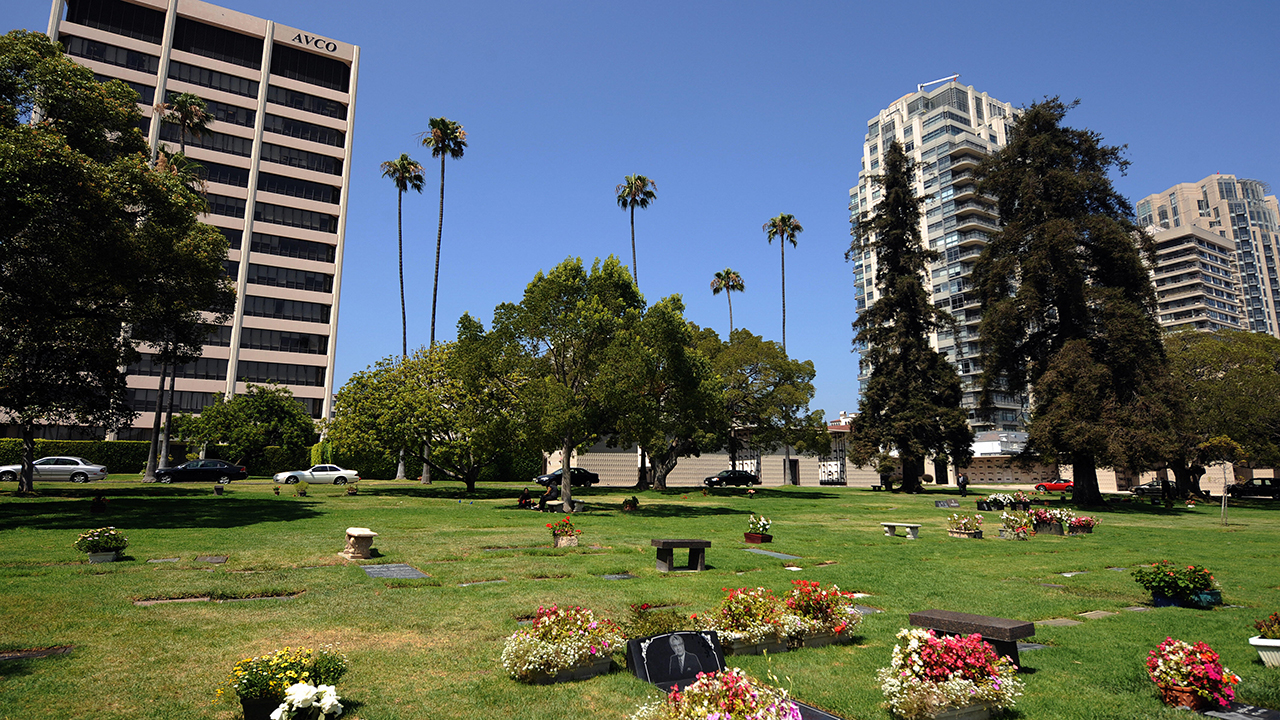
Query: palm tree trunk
<point x="783" y="246"/>
<point x="404" y="318"/>
<point x="168" y="420"/>
<point x="149" y="475"/>
<point x="635" y="272"/>
<point x="729" y="296"/>
<point x="435" y="285"/>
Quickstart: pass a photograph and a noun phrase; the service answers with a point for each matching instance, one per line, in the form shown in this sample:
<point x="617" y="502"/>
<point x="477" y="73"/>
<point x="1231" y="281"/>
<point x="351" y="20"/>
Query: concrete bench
<point x="1003" y="634"/>
<point x="697" y="553"/>
<point x="891" y="529"/>
<point x="359" y="544"/>
<point x="877" y="487"/>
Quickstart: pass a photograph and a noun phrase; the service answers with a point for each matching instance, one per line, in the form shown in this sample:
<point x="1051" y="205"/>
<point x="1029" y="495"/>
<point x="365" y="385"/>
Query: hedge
<point x="127" y="457"/>
<point x="512" y="467"/>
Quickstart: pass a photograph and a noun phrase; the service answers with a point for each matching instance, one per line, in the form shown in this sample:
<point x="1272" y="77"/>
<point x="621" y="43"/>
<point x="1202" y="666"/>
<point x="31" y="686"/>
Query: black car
<point x="577" y="478"/>
<point x="1255" y="487"/>
<point x="219" y="471"/>
<point x="731" y="477"/>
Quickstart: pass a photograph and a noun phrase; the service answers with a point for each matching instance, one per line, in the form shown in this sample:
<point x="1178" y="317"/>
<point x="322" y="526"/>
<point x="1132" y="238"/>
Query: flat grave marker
<point x="1073" y="574"/>
<point x="619" y="576"/>
<point x="215" y="559"/>
<point x="770" y="553"/>
<point x="1059" y="622"/>
<point x="946" y="503"/>
<point x="393" y="571"/>
<point x="1240" y="711"/>
<point x="35" y="653"/>
<point x="481" y="582"/>
<point x="1096" y="614"/>
<point x="866" y="610"/>
<point x="163" y="560"/>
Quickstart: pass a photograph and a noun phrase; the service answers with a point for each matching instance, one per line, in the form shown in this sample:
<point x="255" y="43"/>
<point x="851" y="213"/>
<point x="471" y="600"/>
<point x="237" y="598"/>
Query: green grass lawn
<point x="430" y="649"/>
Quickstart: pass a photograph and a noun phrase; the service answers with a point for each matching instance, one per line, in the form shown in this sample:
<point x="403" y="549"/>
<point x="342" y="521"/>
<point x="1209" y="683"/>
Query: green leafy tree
<point x="729" y="281"/>
<point x="463" y="396"/>
<point x="87" y="230"/>
<point x="190" y="113"/>
<point x="911" y="400"/>
<point x="636" y="191"/>
<point x="565" y="324"/>
<point x="264" y="416"/>
<point x="785" y="228"/>
<point x="446" y="139"/>
<point x="1068" y="302"/>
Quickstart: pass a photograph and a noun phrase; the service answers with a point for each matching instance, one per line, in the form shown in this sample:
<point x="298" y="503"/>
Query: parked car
<point x="1151" y="489"/>
<point x="731" y="477"/>
<point x="1255" y="487"/>
<point x="578" y="477"/>
<point x="318" y="474"/>
<point x="219" y="471"/>
<point x="75" y="469"/>
<point x="1058" y="486"/>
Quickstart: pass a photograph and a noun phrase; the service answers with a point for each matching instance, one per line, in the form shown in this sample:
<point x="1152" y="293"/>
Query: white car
<point x="318" y="474"/>
<point x="74" y="469"/>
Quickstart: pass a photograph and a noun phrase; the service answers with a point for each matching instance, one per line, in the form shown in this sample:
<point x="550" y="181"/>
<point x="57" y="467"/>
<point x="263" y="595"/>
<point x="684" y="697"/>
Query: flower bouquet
<point x="561" y="644"/>
<point x="1190" y="675"/>
<point x="749" y="620"/>
<point x="101" y="545"/>
<point x="1081" y="524"/>
<point x="726" y="695"/>
<point x="758" y="529"/>
<point x="1046" y="521"/>
<point x="1171" y="584"/>
<point x="928" y="675"/>
<point x="563" y="533"/>
<point x="1267" y="641"/>
<point x="261" y="683"/>
<point x="1000" y="500"/>
<point x="820" y="616"/>
<point x="304" y="701"/>
<point x="1015" y="525"/>
<point x="968" y="526"/>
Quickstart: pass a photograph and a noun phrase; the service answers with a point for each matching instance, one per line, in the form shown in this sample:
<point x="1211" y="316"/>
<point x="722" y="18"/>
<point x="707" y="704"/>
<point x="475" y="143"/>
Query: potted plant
<point x="1081" y="525"/>
<point x="749" y="621"/>
<point x="1190" y="675"/>
<point x="1020" y="501"/>
<point x="1015" y="525"/>
<point x="300" y="489"/>
<point x="1044" y="522"/>
<point x="563" y="533"/>
<point x="1000" y="501"/>
<point x="630" y="504"/>
<point x="304" y="701"/>
<point x="561" y="644"/>
<point x="1267" y="641"/>
<point x="948" y="677"/>
<point x="818" y="616"/>
<point x="261" y="683"/>
<point x="758" y="530"/>
<point x="1169" y="584"/>
<point x="964" y="526"/>
<point x="352" y="487"/>
<point x="725" y="694"/>
<point x="102" y="545"/>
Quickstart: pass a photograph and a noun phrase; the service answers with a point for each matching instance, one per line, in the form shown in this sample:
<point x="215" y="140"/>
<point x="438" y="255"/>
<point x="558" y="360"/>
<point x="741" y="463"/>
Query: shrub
<point x="107" y="539"/>
<point x="928" y="674"/>
<point x="559" y="639"/>
<point x="1269" y="628"/>
<point x="1176" y="664"/>
<point x="1174" y="581"/>
<point x="268" y="677"/>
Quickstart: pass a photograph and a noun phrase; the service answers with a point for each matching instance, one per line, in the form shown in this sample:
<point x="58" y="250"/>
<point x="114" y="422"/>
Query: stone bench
<point x="359" y="544"/>
<point x="891" y="529"/>
<point x="877" y="487"/>
<point x="697" y="553"/>
<point x="1003" y="634"/>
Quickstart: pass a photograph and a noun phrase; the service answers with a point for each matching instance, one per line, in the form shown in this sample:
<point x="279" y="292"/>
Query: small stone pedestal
<point x="359" y="544"/>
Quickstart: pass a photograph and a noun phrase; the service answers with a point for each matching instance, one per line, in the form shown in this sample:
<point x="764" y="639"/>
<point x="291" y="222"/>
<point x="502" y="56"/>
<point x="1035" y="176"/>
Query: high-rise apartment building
<point x="946" y="131"/>
<point x="1241" y="212"/>
<point x="277" y="161"/>
<point x="1197" y="287"/>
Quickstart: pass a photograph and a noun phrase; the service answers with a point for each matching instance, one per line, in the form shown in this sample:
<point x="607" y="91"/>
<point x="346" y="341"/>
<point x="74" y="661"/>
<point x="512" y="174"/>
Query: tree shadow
<point x="154" y="512"/>
<point x="453" y="492"/>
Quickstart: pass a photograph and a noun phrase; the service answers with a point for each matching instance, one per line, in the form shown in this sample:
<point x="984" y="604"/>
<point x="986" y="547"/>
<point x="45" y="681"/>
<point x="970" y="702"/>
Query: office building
<point x="1243" y="213"/>
<point x="277" y="160"/>
<point x="946" y="131"/>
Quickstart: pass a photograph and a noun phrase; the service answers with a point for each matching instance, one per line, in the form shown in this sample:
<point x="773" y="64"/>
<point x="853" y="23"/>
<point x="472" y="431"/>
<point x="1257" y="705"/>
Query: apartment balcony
<point x="974" y="222"/>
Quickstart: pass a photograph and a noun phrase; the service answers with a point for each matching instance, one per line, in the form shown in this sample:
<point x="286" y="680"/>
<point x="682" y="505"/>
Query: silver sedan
<point x="75" y="469"/>
<point x="318" y="474"/>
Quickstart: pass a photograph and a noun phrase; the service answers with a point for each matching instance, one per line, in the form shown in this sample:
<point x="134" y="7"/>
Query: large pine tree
<point x="911" y="400"/>
<point x="1068" y="302"/>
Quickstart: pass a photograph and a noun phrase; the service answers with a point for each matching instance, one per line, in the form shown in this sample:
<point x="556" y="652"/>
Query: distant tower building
<point x="947" y="131"/>
<point x="278" y="163"/>
<point x="1243" y="213"/>
<point x="1197" y="287"/>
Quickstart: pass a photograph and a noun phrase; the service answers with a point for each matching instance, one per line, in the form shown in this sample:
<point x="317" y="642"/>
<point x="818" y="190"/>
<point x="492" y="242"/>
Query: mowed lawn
<point x="431" y="648"/>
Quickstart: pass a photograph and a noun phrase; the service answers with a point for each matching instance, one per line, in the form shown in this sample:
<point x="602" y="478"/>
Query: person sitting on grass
<point x="525" y="500"/>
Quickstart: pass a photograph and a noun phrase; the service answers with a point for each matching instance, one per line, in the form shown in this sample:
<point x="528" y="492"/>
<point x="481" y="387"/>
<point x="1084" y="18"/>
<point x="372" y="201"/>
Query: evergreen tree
<point x="911" y="400"/>
<point x="1068" y="302"/>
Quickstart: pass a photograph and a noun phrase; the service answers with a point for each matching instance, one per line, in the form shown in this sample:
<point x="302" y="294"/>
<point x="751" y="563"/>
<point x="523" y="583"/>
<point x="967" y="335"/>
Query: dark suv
<point x="1255" y="487"/>
<point x="731" y="477"/>
<point x="577" y="478"/>
<point x="219" y="471"/>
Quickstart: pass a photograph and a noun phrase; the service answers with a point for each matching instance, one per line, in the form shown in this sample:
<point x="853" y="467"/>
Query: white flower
<point x="300" y="695"/>
<point x="278" y="712"/>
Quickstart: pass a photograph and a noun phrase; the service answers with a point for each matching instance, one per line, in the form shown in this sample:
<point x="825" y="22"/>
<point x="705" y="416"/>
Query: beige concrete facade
<point x="946" y="130"/>
<point x="1244" y="216"/>
<point x="278" y="158"/>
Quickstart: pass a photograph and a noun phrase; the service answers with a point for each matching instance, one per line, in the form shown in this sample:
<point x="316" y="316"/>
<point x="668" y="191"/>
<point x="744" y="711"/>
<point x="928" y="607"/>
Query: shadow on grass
<point x="153" y="512"/>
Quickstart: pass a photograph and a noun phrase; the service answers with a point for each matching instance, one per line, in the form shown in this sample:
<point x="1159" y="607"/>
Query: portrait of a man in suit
<point x="683" y="664"/>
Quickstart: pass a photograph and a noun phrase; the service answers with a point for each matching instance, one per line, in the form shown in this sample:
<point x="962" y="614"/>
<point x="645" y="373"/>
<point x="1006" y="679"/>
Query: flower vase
<point x="978" y="711"/>
<point x="1163" y="600"/>
<point x="217" y="489"/>
<point x="104" y="557"/>
<point x="822" y="639"/>
<point x="598" y="666"/>
<point x="566" y="541"/>
<point x="1048" y="528"/>
<point x="1268" y="650"/>
<point x="757" y="538"/>
<point x="1183" y="697"/>
<point x="746" y="647"/>
<point x="974" y="534"/>
<point x="1204" y="599"/>
<point x="258" y="708"/>
<point x="984" y="506"/>
<point x="1006" y="534"/>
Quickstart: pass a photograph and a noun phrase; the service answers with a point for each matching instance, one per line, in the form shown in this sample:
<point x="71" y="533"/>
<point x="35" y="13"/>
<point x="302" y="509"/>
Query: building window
<point x="305" y="131"/>
<point x="232" y="236"/>
<point x="216" y="141"/>
<point x="301" y="159"/>
<point x="293" y="187"/>
<point x="141" y="400"/>
<point x="289" y="278"/>
<point x="286" y="309"/>
<point x="294" y="217"/>
<point x="111" y="55"/>
<point x="146" y="93"/>
<point x="121" y="18"/>
<point x="310" y="68"/>
<point x="290" y="247"/>
<point x="202" y="369"/>
<point x="214" y="42"/>
<point x="223" y="112"/>
<point x="219" y="336"/>
<point x="225" y="174"/>
<point x="212" y="79"/>
<point x="223" y="205"/>
<point x="307" y="103"/>
<point x="264" y="372"/>
<point x="279" y="341"/>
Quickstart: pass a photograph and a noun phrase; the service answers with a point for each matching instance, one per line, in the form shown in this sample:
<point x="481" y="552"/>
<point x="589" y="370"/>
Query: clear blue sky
<point x="739" y="111"/>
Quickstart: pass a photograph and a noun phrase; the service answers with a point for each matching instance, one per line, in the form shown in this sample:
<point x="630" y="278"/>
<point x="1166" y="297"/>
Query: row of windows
<point x="223" y="205"/>
<point x="284" y="373"/>
<point x="202" y="369"/>
<point x="290" y="278"/>
<point x="305" y="131"/>
<point x="301" y="159"/>
<point x="294" y="187"/>
<point x="294" y="217"/>
<point x="286" y="309"/>
<point x="223" y="112"/>
<point x="214" y="42"/>
<point x="121" y="18"/>
<point x="243" y="147"/>
<point x="146" y="93"/>
<point x="212" y="79"/>
<point x="216" y="141"/>
<point x="280" y="341"/>
<point x="307" y="103"/>
<point x="219" y="336"/>
<point x="290" y="247"/>
<point x="111" y="55"/>
<point x="310" y="68"/>
<point x="225" y="174"/>
<point x="184" y="401"/>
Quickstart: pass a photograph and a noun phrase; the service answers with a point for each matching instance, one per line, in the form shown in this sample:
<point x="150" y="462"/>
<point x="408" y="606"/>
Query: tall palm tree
<point x="636" y="191"/>
<point x="445" y="138"/>
<point x="406" y="175"/>
<point x="189" y="112"/>
<point x="730" y="282"/>
<point x="784" y="227"/>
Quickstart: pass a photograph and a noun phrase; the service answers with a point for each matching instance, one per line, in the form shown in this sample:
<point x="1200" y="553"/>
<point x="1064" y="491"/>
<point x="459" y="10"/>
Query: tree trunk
<point x="400" y="467"/>
<point x="786" y="469"/>
<point x="910" y="474"/>
<point x="26" y="481"/>
<point x="566" y="479"/>
<point x="733" y="452"/>
<point x="168" y="420"/>
<point x="666" y="462"/>
<point x="783" y="245"/>
<point x="149" y="475"/>
<point x="404" y="317"/>
<point x="729" y="296"/>
<point x="426" y="466"/>
<point x="1085" y="491"/>
<point x="435" y="284"/>
<point x="635" y="272"/>
<point x="642" y="473"/>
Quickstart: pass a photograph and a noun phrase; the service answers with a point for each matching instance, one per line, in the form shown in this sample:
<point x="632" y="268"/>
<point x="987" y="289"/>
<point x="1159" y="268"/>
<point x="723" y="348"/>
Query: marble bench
<point x="891" y="529"/>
